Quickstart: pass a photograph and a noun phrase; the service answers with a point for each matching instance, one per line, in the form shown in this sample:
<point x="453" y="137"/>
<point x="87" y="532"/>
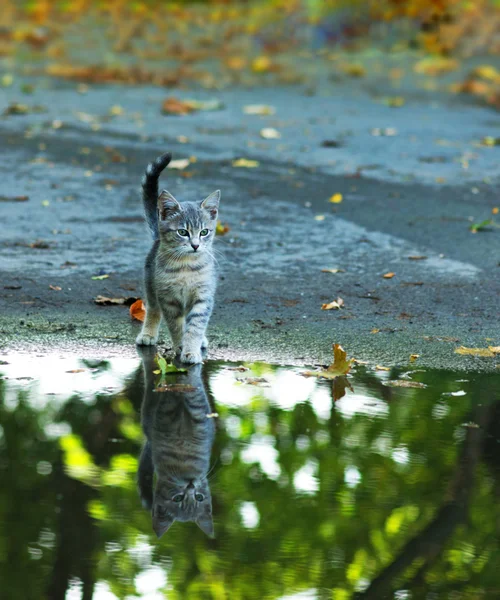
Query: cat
<point x="179" y="439"/>
<point x="180" y="273"/>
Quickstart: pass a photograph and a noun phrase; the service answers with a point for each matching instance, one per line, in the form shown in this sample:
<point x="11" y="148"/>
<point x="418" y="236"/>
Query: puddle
<point x="387" y="492"/>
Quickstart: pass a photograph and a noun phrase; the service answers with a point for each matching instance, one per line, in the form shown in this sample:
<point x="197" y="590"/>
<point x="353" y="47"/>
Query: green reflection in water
<point x="388" y="492"/>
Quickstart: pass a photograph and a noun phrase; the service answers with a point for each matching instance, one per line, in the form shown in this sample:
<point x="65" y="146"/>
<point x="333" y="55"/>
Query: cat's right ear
<point x="167" y="205"/>
<point x="162" y="524"/>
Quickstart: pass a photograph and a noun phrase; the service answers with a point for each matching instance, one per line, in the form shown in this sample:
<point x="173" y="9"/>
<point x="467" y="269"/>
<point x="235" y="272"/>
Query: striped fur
<point x="179" y="440"/>
<point x="180" y="273"/>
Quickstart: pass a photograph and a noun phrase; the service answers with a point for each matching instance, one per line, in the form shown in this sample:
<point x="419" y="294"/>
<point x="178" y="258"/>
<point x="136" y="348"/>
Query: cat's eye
<point x="199" y="497"/>
<point x="204" y="232"/>
<point x="183" y="232"/>
<point x="178" y="497"/>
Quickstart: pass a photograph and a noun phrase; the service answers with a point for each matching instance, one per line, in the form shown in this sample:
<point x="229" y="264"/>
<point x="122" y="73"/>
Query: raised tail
<point x="150" y="191"/>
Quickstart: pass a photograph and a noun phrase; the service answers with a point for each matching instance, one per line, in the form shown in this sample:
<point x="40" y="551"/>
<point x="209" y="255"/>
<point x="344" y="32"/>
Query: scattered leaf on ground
<point x="319" y="217"/>
<point x="405" y="383"/>
<point x="14" y="198"/>
<point x="138" y="310"/>
<point x="76" y="371"/>
<point x="487" y="352"/>
<point x="490" y="141"/>
<point x="246" y="163"/>
<point x="413" y="357"/>
<point x="174" y="106"/>
<point x="240" y="369"/>
<point x="381" y="368"/>
<point x="415" y="257"/>
<point x="435" y="65"/>
<point x="336" y="199"/>
<point x="175" y="387"/>
<point x="333" y="270"/>
<point x="221" y="228"/>
<point x="494" y="349"/>
<point x="334" y="305"/>
<point x="494" y="211"/>
<point x="475" y="227"/>
<point x="56" y="288"/>
<point x="389" y="275"/>
<point x="340" y="365"/>
<point x="375" y="330"/>
<point x="179" y="164"/>
<point x="206" y="105"/>
<point x="100" y="277"/>
<point x="269" y="133"/>
<point x="353" y="69"/>
<point x="394" y="101"/>
<point x="105" y="301"/>
<point x="259" y="109"/>
<point x="261" y="64"/>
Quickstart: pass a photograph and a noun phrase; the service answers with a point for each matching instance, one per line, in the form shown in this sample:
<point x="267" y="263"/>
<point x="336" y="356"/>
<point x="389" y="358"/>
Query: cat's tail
<point x="150" y="191"/>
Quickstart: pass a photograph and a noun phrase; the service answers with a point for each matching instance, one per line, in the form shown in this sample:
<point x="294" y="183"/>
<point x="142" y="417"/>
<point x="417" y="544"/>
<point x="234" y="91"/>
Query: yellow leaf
<point x="413" y="357"/>
<point x="261" y="64"/>
<point x="381" y="368"/>
<point x="333" y="270"/>
<point x="336" y="199"/>
<point x="319" y="218"/>
<point x="259" y="109"/>
<point x="487" y="352"/>
<point x="494" y="349"/>
<point x="389" y="275"/>
<point x="375" y="331"/>
<point x="246" y="163"/>
<point x="336" y="304"/>
<point x="486" y="72"/>
<point x="353" y="69"/>
<point x="435" y="65"/>
<point x="221" y="229"/>
<point x="495" y="210"/>
<point x="340" y="366"/>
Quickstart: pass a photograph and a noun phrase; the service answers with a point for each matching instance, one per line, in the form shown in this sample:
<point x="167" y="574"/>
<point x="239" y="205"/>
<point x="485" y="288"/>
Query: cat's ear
<point x="211" y="203"/>
<point x="162" y="525"/>
<point x="206" y="524"/>
<point x="167" y="205"/>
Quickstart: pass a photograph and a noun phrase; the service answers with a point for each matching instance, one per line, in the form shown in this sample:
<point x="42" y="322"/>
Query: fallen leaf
<point x="381" y="368"/>
<point x="166" y="368"/>
<point x="353" y="69"/>
<point x="334" y="305"/>
<point x="375" y="331"/>
<point x="99" y="277"/>
<point x="105" y="301"/>
<point x="14" y="198"/>
<point x="56" y="288"/>
<point x="319" y="218"/>
<point x="413" y="357"/>
<point x="179" y="164"/>
<point x="340" y="365"/>
<point x="336" y="199"/>
<point x="494" y="211"/>
<point x="116" y="110"/>
<point x="475" y="227"/>
<point x="221" y="229"/>
<point x="259" y="109"/>
<point x="435" y="65"/>
<point x="269" y="133"/>
<point x="240" y="369"/>
<point x="206" y="105"/>
<point x="405" y="383"/>
<point x="389" y="275"/>
<point x="331" y="144"/>
<point x="246" y="163"/>
<point x="417" y="257"/>
<point x="138" y="310"/>
<point x="486" y="72"/>
<point x="175" y="387"/>
<point x="394" y="101"/>
<point x="76" y="371"/>
<point x="333" y="270"/>
<point x="486" y="352"/>
<point x="494" y="349"/>
<point x="174" y="106"/>
<point x="261" y="64"/>
<point x="490" y="141"/>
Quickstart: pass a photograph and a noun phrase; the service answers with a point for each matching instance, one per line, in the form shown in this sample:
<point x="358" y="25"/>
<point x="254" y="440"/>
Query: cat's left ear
<point x="211" y="203"/>
<point x="162" y="525"/>
<point x="206" y="524"/>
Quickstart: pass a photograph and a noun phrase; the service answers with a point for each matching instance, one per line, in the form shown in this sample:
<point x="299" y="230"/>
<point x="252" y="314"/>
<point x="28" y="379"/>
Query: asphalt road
<point x="412" y="193"/>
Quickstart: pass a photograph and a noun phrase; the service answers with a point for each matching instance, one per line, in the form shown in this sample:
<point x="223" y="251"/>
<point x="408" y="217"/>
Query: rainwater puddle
<point x="267" y="486"/>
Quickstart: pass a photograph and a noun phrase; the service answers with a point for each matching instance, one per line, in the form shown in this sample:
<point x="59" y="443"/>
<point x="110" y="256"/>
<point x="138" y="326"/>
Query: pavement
<point x="413" y="179"/>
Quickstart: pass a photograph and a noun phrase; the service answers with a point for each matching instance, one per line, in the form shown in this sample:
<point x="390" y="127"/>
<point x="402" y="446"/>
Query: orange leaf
<point x="173" y="106"/>
<point x="138" y="310"/>
<point x="389" y="275"/>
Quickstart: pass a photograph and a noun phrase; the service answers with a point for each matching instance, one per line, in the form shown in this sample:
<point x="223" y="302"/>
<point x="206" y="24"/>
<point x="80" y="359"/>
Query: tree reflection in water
<point x="388" y="489"/>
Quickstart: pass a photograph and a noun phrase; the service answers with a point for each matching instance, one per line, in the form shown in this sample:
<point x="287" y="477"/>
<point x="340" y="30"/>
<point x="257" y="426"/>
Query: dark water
<point x="387" y="492"/>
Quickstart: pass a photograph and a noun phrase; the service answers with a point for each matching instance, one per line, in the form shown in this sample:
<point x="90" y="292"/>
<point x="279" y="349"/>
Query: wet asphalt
<point x="408" y="201"/>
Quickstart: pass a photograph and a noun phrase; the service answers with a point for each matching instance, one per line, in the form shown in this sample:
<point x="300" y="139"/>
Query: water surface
<point x="386" y="492"/>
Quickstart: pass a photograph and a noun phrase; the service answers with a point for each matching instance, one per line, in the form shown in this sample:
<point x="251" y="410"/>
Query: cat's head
<point x="189" y="501"/>
<point x="189" y="227"/>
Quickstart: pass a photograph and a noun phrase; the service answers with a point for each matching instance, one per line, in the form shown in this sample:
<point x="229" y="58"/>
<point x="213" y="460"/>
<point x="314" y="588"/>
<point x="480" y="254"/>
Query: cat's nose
<point x="190" y="485"/>
<point x="195" y="246"/>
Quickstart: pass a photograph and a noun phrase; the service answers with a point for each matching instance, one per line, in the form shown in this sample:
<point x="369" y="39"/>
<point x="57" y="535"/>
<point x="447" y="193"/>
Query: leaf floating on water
<point x="417" y="257"/>
<point x="240" y="369"/>
<point x="339" y="386"/>
<point x="336" y="198"/>
<point x="340" y="365"/>
<point x="475" y="227"/>
<point x="253" y="380"/>
<point x="259" y="109"/>
<point x="485" y="352"/>
<point x="333" y="270"/>
<point x="167" y="368"/>
<point x="246" y="163"/>
<point x="175" y="387"/>
<point x="334" y="305"/>
<point x="405" y="383"/>
<point x="138" y="310"/>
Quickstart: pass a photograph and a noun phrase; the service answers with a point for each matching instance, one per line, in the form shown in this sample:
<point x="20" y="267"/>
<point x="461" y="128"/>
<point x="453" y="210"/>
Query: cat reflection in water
<point x="179" y="439"/>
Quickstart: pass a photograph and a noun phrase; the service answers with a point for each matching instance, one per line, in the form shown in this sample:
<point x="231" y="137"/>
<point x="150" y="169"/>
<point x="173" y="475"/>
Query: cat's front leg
<point x="150" y="327"/>
<point x="173" y="313"/>
<point x="194" y="337"/>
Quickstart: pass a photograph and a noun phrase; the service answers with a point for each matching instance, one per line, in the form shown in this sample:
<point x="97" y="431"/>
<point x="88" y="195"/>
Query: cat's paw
<point x="204" y="344"/>
<point x="144" y="339"/>
<point x="191" y="358"/>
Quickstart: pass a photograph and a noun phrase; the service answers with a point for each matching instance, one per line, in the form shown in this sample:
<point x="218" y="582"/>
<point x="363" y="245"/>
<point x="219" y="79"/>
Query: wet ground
<point x="413" y="180"/>
<point x="388" y="491"/>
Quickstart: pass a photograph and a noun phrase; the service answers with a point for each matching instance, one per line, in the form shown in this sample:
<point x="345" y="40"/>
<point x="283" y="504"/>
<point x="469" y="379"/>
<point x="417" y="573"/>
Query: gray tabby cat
<point x="178" y="445"/>
<point x="180" y="267"/>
